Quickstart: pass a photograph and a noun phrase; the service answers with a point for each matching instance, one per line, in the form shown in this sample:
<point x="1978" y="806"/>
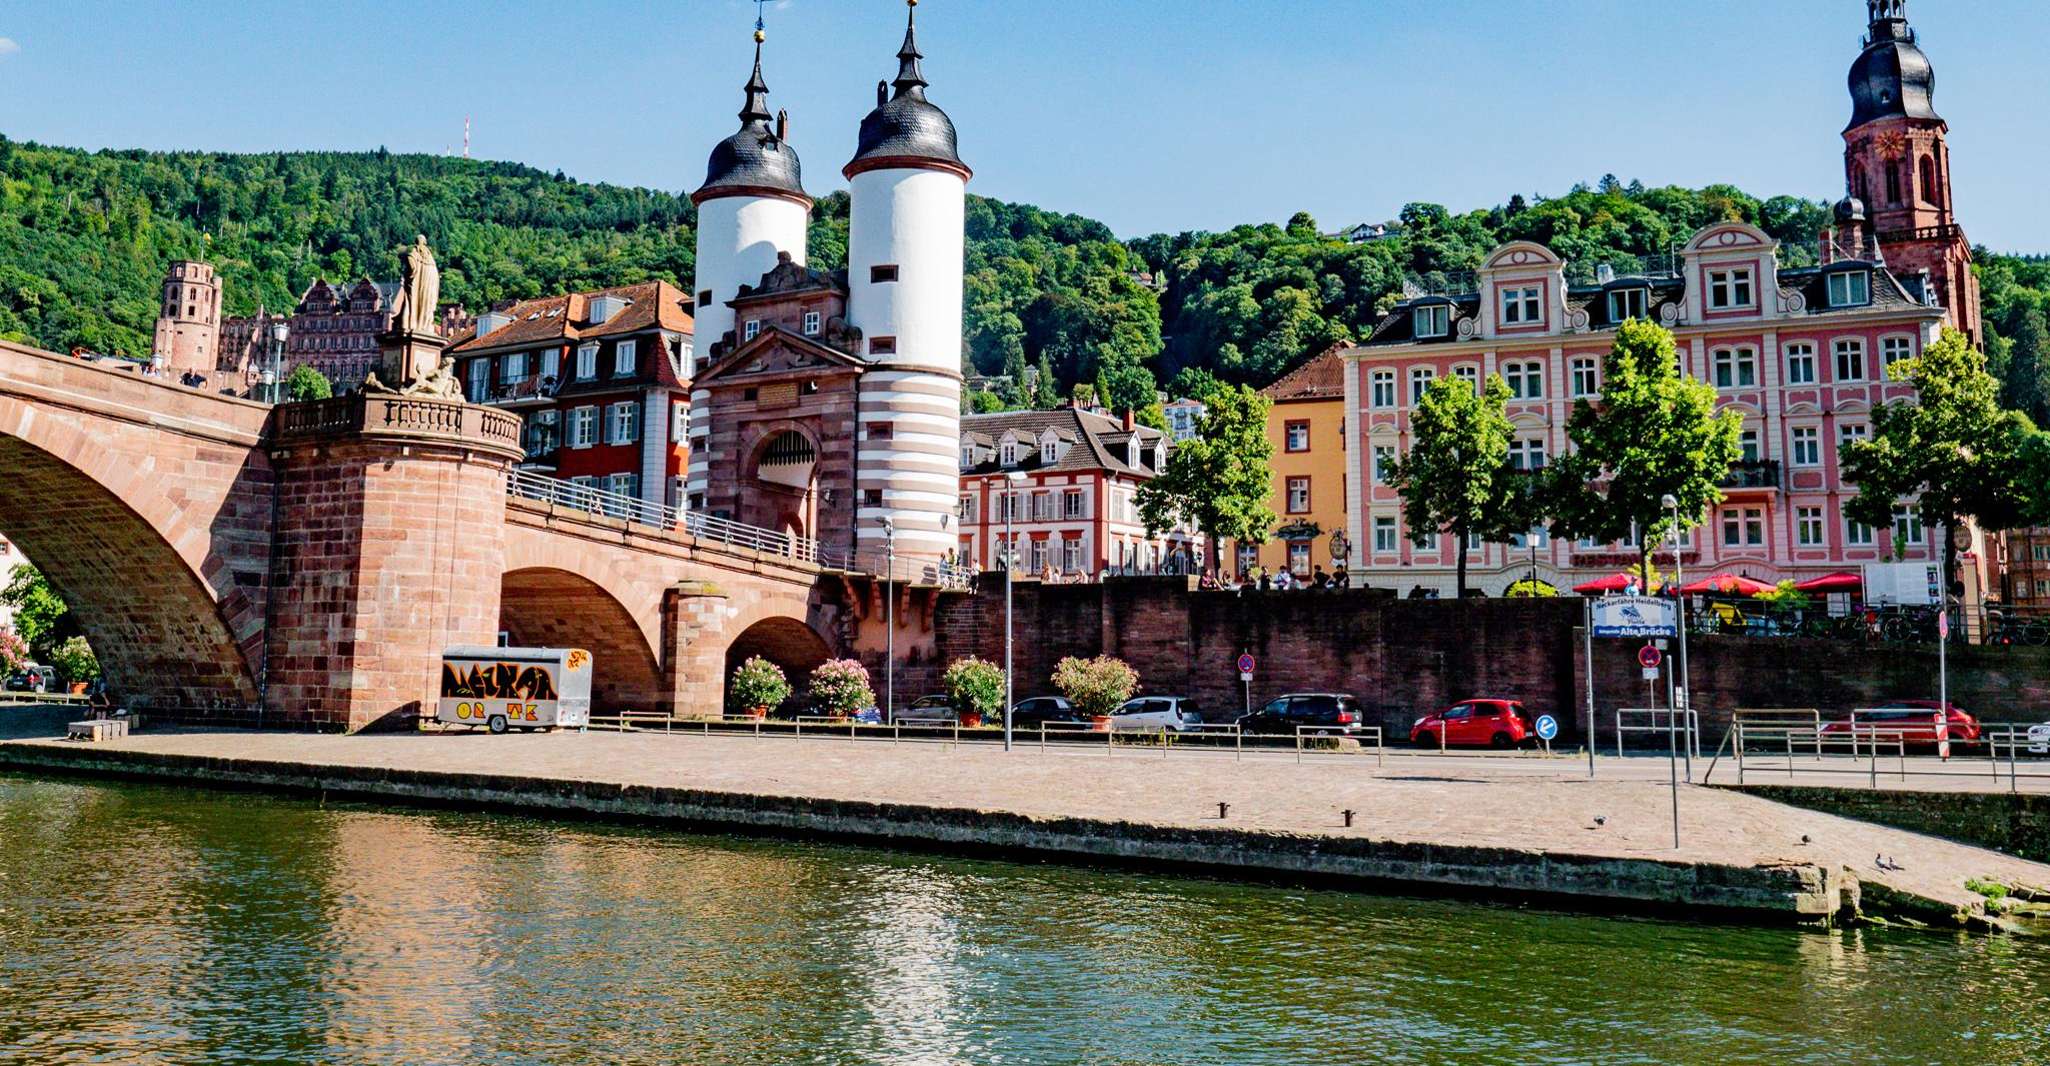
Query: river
<point x="156" y="925"/>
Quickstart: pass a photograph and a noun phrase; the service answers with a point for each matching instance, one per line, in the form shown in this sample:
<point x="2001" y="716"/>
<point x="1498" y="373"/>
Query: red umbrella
<point x="1612" y="583"/>
<point x="1729" y="585"/>
<point x="1841" y="581"/>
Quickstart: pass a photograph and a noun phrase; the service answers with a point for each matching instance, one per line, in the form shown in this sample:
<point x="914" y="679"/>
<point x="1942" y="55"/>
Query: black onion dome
<point x="1850" y="209"/>
<point x="905" y="126"/>
<point x="1891" y="77"/>
<point x="755" y="159"/>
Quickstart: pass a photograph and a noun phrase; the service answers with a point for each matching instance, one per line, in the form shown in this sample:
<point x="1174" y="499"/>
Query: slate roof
<point x="1322" y="378"/>
<point x="906" y="125"/>
<point x="754" y="157"/>
<point x="1093" y="437"/>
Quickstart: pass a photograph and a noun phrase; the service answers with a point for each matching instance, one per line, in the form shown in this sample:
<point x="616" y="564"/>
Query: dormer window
<point x="605" y="308"/>
<point x="811" y="323"/>
<point x="1007" y="455"/>
<point x="751" y="330"/>
<point x="492" y="322"/>
<point x="1434" y="320"/>
<point x="1850" y="288"/>
<point x="1521" y="306"/>
<point x="1049" y="450"/>
<point x="1729" y="289"/>
<point x="1626" y="304"/>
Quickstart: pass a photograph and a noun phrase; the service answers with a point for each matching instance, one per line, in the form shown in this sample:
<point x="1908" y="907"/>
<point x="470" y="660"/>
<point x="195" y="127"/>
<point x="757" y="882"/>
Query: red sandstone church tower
<point x="1897" y="162"/>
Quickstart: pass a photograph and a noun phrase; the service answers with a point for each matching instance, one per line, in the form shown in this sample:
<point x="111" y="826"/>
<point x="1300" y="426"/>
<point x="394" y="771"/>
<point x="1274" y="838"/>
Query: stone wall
<point x="1404" y="657"/>
<point x="2016" y="823"/>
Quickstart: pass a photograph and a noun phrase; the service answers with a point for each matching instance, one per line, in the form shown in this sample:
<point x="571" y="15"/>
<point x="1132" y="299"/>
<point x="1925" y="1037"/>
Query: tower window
<point x="879" y="274"/>
<point x="882" y="346"/>
<point x="1928" y="179"/>
<point x="1893" y="182"/>
<point x="705" y="298"/>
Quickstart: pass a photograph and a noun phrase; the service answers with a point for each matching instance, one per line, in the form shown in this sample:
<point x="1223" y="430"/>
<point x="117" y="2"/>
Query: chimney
<point x="1130" y="422"/>
<point x="783" y="125"/>
<point x="1604" y="273"/>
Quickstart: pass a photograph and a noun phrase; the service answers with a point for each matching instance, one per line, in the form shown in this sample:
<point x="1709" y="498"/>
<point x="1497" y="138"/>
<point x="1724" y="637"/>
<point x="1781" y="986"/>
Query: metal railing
<point x="43" y="697"/>
<point x="1659" y="720"/>
<point x="1308" y="733"/>
<point x="1856" y="750"/>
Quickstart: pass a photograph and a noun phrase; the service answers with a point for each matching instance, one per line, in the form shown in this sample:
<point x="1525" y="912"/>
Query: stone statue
<point x="423" y="289"/>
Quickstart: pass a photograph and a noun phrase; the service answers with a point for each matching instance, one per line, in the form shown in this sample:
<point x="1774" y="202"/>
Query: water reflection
<point x="155" y="925"/>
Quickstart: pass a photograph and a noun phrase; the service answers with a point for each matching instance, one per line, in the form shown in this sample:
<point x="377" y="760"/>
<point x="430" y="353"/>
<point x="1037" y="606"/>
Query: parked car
<point x="928" y="707"/>
<point x="1486" y="723"/>
<point x="1913" y="720"/>
<point x="2039" y="739"/>
<point x="34" y="677"/>
<point x="1032" y="713"/>
<point x="1323" y="713"/>
<point x="1146" y="713"/>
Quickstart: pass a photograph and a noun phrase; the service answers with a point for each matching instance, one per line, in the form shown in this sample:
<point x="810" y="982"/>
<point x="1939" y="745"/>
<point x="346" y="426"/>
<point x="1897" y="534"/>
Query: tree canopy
<point x="1219" y="479"/>
<point x="1456" y="478"/>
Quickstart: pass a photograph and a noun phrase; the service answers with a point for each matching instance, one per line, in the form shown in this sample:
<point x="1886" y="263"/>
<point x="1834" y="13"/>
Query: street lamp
<point x="274" y="371"/>
<point x="1011" y="480"/>
<point x="1681" y="698"/>
<point x="890" y="620"/>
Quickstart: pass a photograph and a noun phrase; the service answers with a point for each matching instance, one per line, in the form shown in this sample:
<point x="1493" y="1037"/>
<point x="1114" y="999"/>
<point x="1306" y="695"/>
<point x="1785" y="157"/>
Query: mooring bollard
<point x="1348" y="817"/>
<point x="1222" y="808"/>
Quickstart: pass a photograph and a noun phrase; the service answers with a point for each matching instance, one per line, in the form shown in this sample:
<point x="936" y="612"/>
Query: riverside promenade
<point x="1511" y="829"/>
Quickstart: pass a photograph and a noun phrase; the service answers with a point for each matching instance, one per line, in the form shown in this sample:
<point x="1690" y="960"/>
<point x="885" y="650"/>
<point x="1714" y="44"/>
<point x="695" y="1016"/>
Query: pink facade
<point x="1799" y="354"/>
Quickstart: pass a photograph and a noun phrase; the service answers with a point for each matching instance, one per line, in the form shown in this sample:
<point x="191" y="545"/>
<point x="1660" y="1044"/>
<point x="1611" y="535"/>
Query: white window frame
<point x="1907" y="525"/>
<point x="1806" y="448"/>
<point x="1421" y="378"/>
<point x="624" y="356"/>
<point x="1743" y="527"/>
<point x="480" y="380"/>
<point x="1073" y="504"/>
<point x="1843" y="348"/>
<point x="1801" y="367"/>
<point x="587" y="362"/>
<point x="1382" y="389"/>
<point x="1290" y="486"/>
<point x="1522" y="305"/>
<point x="1810" y="527"/>
<point x="1586" y="375"/>
<point x="1289" y="435"/>
<point x="1387" y="537"/>
<point x="1628" y="303"/>
<point x="812" y="322"/>
<point x="583" y="427"/>
<point x="1731" y="289"/>
<point x="1850" y="288"/>
<point x="1735" y="367"/>
<point x="1384" y="457"/>
<point x="1526" y="379"/>
<point x="1857" y="534"/>
<point x="623" y="423"/>
<point x="1893" y="349"/>
<point x="1432" y="320"/>
<point x="1470" y="374"/>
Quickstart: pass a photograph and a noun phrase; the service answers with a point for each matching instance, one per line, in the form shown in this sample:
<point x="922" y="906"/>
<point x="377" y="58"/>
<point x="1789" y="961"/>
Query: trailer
<point x="515" y="688"/>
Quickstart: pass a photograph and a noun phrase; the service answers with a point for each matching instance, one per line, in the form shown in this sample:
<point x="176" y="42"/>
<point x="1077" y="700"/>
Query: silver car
<point x="1145" y="714"/>
<point x="2039" y="739"/>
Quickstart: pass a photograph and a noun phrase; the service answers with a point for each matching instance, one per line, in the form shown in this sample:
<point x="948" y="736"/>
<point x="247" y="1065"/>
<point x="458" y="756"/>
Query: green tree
<point x="1653" y="433"/>
<point x="975" y="687"/>
<point x="41" y="616"/>
<point x="75" y="660"/>
<point x="1456" y="479"/>
<point x="305" y="383"/>
<point x="1219" y="479"/>
<point x="1953" y="452"/>
<point x="2026" y="383"/>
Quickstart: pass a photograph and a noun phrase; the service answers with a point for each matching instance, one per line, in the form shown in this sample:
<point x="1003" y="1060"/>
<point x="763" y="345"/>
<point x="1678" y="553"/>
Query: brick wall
<point x="1403" y="657"/>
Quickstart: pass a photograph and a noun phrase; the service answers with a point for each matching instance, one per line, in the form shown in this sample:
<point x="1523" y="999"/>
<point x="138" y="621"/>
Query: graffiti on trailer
<point x="497" y="681"/>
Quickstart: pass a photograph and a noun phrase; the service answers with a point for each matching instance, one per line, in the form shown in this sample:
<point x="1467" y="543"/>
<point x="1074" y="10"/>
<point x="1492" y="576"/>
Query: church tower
<point x="1897" y="165"/>
<point x="905" y="243"/>
<point x="751" y="209"/>
<point x="188" y="332"/>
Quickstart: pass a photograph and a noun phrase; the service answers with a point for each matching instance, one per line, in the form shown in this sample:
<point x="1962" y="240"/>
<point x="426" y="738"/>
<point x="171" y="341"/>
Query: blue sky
<point x="1148" y="114"/>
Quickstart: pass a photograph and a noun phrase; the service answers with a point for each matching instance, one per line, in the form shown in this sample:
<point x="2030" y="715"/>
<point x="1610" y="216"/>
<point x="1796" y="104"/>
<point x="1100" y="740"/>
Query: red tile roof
<point x="1322" y="378"/>
<point x="566" y="317"/>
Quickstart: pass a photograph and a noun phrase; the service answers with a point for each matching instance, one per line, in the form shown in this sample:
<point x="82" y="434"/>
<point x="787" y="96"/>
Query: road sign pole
<point x="1588" y="613"/>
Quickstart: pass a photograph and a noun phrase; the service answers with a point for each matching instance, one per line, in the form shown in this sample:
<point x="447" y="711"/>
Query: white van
<point x="1145" y="714"/>
<point x="515" y="688"/>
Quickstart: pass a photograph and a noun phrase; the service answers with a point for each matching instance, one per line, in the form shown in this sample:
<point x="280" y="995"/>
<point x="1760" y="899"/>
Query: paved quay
<point x="1525" y="827"/>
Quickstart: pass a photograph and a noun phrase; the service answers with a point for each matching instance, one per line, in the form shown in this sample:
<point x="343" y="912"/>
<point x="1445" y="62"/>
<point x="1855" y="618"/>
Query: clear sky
<point x="1148" y="114"/>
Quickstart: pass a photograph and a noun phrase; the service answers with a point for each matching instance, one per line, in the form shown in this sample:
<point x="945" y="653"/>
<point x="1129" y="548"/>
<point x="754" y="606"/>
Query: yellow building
<point x="1307" y="428"/>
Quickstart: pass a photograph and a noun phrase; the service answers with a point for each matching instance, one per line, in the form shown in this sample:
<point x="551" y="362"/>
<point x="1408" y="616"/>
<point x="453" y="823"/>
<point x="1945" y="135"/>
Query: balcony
<point x="509" y="393"/>
<point x="1753" y="474"/>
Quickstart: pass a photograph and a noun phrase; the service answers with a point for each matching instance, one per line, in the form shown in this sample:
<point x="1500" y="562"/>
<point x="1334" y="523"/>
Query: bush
<point x="1096" y="686"/>
<point x="13" y="653"/>
<point x="306" y="383"/>
<point x="757" y="683"/>
<point x="75" y="659"/>
<point x="840" y="687"/>
<point x="975" y="687"/>
<point x="1785" y="597"/>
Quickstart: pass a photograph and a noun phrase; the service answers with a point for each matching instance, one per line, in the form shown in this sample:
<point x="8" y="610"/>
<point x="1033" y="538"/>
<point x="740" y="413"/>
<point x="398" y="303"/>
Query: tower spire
<point x="910" y="76"/>
<point x="757" y="107"/>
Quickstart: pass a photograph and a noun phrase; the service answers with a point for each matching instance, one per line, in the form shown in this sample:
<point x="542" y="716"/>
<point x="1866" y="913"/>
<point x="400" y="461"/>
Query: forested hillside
<point x="84" y="238"/>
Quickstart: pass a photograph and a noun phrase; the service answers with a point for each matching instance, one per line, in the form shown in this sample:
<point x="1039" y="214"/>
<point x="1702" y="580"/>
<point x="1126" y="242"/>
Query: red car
<point x="1913" y="720"/>
<point x="1475" y="723"/>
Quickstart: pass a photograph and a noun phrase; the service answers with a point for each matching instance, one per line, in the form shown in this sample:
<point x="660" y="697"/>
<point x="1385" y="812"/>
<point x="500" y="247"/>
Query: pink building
<point x="1074" y="510"/>
<point x="1802" y="353"/>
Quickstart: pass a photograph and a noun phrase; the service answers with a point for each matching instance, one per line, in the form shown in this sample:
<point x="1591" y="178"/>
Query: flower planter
<point x="78" y="688"/>
<point x="1100" y="723"/>
<point x="757" y="712"/>
<point x="971" y="719"/>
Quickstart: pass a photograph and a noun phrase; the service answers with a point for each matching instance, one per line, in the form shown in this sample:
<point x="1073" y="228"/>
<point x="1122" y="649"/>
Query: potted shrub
<point x="75" y="660"/>
<point x="1096" y="686"/>
<point x="976" y="689"/>
<point x="757" y="685"/>
<point x="839" y="687"/>
<point x="13" y="654"/>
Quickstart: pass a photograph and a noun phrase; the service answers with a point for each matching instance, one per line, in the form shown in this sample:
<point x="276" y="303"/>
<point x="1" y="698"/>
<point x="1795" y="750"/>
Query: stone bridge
<point x="306" y="565"/>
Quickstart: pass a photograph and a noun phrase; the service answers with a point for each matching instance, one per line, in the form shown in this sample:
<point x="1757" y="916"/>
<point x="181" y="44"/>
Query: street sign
<point x="1650" y="657"/>
<point x="1547" y="727"/>
<point x="1245" y="675"/>
<point x="1635" y="616"/>
<point x="1246" y="663"/>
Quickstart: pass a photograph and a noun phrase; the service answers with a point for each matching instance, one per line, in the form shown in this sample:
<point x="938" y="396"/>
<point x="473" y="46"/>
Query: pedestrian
<point x="1322" y="579"/>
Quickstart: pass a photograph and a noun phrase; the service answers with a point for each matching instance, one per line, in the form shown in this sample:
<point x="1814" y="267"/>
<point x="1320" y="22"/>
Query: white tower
<point x="905" y="243"/>
<point x="751" y="207"/>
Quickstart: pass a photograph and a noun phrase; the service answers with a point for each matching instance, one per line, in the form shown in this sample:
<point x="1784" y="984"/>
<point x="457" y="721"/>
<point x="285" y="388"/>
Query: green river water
<point x="154" y="925"/>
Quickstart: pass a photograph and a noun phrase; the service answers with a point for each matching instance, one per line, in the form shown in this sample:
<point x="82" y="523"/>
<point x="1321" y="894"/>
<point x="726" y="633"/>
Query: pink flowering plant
<point x="840" y="687"/>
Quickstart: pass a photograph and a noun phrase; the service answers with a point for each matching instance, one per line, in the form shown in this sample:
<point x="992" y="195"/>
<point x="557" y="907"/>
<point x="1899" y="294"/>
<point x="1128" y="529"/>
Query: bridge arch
<point x="549" y="607"/>
<point x="786" y="640"/>
<point x="164" y="577"/>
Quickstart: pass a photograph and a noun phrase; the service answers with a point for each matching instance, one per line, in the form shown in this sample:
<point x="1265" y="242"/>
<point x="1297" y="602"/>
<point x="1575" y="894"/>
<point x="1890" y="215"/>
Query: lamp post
<point x="1686" y="701"/>
<point x="1011" y="480"/>
<point x="1673" y="712"/>
<point x="274" y="363"/>
<point x="890" y="620"/>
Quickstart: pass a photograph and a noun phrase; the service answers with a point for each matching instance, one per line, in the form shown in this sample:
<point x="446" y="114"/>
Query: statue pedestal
<point x="409" y="357"/>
